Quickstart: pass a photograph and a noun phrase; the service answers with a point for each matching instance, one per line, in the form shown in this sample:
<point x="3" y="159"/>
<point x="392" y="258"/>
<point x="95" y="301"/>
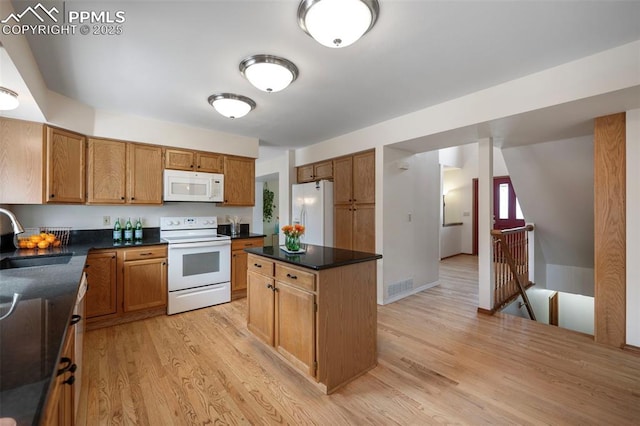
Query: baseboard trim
<point x="411" y="292"/>
<point x="485" y="311"/>
<point x="633" y="349"/>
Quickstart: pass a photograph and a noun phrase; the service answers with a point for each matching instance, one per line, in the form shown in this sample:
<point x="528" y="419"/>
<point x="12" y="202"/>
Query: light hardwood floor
<point x="439" y="362"/>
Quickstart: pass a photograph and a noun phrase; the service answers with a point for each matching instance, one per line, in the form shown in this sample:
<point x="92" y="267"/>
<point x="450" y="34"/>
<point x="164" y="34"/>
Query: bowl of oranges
<point x="40" y="238"/>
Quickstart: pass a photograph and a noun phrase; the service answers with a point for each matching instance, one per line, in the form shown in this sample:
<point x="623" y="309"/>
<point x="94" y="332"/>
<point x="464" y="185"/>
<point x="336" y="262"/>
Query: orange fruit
<point x="43" y="235"/>
<point x="43" y="244"/>
<point x="23" y="243"/>
<point x="35" y="238"/>
<point x="57" y="243"/>
<point x="31" y="244"/>
<point x="50" y="238"/>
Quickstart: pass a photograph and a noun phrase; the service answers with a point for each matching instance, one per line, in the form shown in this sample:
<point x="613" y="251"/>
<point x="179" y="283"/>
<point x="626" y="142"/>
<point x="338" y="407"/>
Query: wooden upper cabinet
<point x="323" y="170"/>
<point x="239" y="181"/>
<point x="364" y="178"/>
<point x="200" y="161"/>
<point x="21" y="162"/>
<point x="315" y="172"/>
<point x="209" y="162"/>
<point x="342" y="180"/>
<point x="305" y="173"/>
<point x="179" y="159"/>
<point x="144" y="174"/>
<point x="106" y="171"/>
<point x="65" y="166"/>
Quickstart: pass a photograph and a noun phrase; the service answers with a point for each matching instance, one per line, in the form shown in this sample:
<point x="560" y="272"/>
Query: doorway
<point x="506" y="207"/>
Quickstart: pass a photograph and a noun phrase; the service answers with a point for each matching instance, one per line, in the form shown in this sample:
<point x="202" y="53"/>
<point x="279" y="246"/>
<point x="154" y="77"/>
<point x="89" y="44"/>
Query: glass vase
<point x="292" y="242"/>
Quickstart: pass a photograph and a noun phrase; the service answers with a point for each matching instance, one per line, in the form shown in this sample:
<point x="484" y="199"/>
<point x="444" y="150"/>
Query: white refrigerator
<point x="312" y="206"/>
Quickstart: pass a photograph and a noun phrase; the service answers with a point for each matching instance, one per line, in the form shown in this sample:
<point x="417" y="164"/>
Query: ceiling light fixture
<point x="337" y="23"/>
<point x="231" y="105"/>
<point x="269" y="73"/>
<point x="8" y="99"/>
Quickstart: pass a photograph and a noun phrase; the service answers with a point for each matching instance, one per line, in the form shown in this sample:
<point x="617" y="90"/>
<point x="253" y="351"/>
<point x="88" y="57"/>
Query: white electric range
<point x="199" y="272"/>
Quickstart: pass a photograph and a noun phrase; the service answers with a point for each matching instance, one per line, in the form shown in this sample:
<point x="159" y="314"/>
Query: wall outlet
<point x="106" y="220"/>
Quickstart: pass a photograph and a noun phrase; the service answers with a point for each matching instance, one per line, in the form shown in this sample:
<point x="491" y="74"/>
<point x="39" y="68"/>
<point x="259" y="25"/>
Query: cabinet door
<point x="144" y="284"/>
<point x="144" y="174"/>
<point x="21" y="162"/>
<point x="295" y="326"/>
<point x="323" y="170"/>
<point x="65" y="167"/>
<point x="210" y="163"/>
<point x="106" y="171"/>
<point x="239" y="181"/>
<point x="101" y="276"/>
<point x="260" y="306"/>
<point x="343" y="226"/>
<point x="364" y="178"/>
<point x="239" y="270"/>
<point x="342" y="180"/>
<point x="179" y="159"/>
<point x="305" y="173"/>
<point x="364" y="228"/>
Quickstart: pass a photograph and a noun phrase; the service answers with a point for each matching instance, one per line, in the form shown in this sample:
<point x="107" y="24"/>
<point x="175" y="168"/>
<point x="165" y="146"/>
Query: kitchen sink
<point x="29" y="261"/>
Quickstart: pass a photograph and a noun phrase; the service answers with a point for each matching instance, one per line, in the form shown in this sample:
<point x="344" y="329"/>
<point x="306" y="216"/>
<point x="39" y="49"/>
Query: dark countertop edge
<point x="257" y="251"/>
<point x="246" y="236"/>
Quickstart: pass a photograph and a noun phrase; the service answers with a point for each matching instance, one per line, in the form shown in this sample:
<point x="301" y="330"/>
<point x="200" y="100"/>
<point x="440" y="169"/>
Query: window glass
<point x="504" y="201"/>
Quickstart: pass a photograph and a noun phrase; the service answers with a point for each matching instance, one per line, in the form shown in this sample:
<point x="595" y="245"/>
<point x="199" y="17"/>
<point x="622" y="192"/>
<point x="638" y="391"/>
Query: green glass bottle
<point x="128" y="232"/>
<point x="117" y="232"/>
<point x="137" y="234"/>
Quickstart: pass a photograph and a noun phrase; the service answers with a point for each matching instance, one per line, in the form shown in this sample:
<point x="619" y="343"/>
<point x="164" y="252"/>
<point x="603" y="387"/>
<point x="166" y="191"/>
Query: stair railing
<point x="511" y="263"/>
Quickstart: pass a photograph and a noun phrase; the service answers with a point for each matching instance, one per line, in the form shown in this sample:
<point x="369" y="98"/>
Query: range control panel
<point x="188" y="222"/>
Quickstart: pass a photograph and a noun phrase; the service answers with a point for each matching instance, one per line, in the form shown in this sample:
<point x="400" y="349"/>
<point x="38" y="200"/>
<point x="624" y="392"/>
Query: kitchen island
<point x="316" y="309"/>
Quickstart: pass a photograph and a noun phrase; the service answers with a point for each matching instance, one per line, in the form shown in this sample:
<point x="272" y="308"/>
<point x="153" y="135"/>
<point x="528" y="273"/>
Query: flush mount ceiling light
<point x="8" y="99"/>
<point x="337" y="23"/>
<point x="230" y="105"/>
<point x="269" y="73"/>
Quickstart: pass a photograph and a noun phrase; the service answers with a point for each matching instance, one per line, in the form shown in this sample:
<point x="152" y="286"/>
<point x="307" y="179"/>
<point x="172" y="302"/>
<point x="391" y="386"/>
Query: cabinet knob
<point x="293" y="277"/>
<point x="53" y="196"/>
<point x="257" y="265"/>
<point x="198" y="166"/>
<point x="270" y="286"/>
<point x="122" y="198"/>
<point x="70" y="381"/>
<point x="133" y="198"/>
<point x="67" y="367"/>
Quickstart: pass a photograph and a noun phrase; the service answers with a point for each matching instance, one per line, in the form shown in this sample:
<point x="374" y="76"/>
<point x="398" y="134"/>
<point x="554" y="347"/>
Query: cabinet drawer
<point x="246" y="243"/>
<point x="260" y="265"/>
<point x="140" y="253"/>
<point x="296" y="277"/>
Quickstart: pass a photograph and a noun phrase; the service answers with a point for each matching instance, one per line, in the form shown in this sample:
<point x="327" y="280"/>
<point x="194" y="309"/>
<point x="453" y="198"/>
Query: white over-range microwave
<point x="193" y="186"/>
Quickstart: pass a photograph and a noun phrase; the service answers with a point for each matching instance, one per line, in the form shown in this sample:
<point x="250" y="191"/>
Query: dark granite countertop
<point x="316" y="257"/>
<point x="241" y="236"/>
<point x="31" y="337"/>
<point x="225" y="229"/>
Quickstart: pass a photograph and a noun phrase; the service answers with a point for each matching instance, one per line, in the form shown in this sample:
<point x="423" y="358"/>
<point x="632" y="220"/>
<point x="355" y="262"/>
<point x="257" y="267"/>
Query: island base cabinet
<point x="323" y="323"/>
<point x="260" y="306"/>
<point x="295" y="336"/>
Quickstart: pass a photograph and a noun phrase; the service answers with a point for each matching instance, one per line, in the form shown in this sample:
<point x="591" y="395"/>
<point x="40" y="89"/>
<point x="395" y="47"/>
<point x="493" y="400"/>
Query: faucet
<point x="17" y="227"/>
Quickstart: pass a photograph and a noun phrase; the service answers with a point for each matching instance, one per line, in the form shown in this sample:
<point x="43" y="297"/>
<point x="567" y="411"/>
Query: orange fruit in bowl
<point x="57" y="243"/>
<point x="22" y="243"/>
<point x="43" y="244"/>
<point x="35" y="238"/>
<point x="30" y="244"/>
<point x="50" y="238"/>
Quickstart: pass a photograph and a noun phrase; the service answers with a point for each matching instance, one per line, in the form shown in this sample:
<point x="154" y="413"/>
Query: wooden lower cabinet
<point x="101" y="295"/>
<point x="126" y="284"/>
<point x="324" y="323"/>
<point x="239" y="265"/>
<point x="59" y="409"/>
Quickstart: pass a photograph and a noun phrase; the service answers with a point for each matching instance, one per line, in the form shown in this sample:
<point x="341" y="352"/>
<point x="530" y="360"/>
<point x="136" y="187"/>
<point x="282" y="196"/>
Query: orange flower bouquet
<point x="292" y="235"/>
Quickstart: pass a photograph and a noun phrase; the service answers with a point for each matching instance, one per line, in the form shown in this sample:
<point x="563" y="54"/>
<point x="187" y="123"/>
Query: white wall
<point x="450" y="239"/>
<point x="410" y="247"/>
<point x="633" y="227"/>
<point x="554" y="182"/>
<point x="576" y="312"/>
<point x="256" y="219"/>
<point x="90" y="217"/>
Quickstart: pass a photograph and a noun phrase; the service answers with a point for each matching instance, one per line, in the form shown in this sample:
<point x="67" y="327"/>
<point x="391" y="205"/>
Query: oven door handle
<point x="181" y="246"/>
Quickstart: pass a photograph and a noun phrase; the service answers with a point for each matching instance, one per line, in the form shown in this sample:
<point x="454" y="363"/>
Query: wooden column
<point x="610" y="229"/>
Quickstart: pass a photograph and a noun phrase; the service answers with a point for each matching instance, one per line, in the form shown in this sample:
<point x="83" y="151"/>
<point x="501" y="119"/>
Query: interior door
<point x="506" y="208"/>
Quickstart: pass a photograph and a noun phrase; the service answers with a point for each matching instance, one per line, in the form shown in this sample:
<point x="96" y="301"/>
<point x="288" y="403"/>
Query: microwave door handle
<point x="176" y="246"/>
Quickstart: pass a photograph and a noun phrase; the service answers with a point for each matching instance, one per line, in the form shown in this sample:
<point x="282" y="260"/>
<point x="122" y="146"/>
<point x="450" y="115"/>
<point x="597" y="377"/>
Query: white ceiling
<point x="173" y="54"/>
